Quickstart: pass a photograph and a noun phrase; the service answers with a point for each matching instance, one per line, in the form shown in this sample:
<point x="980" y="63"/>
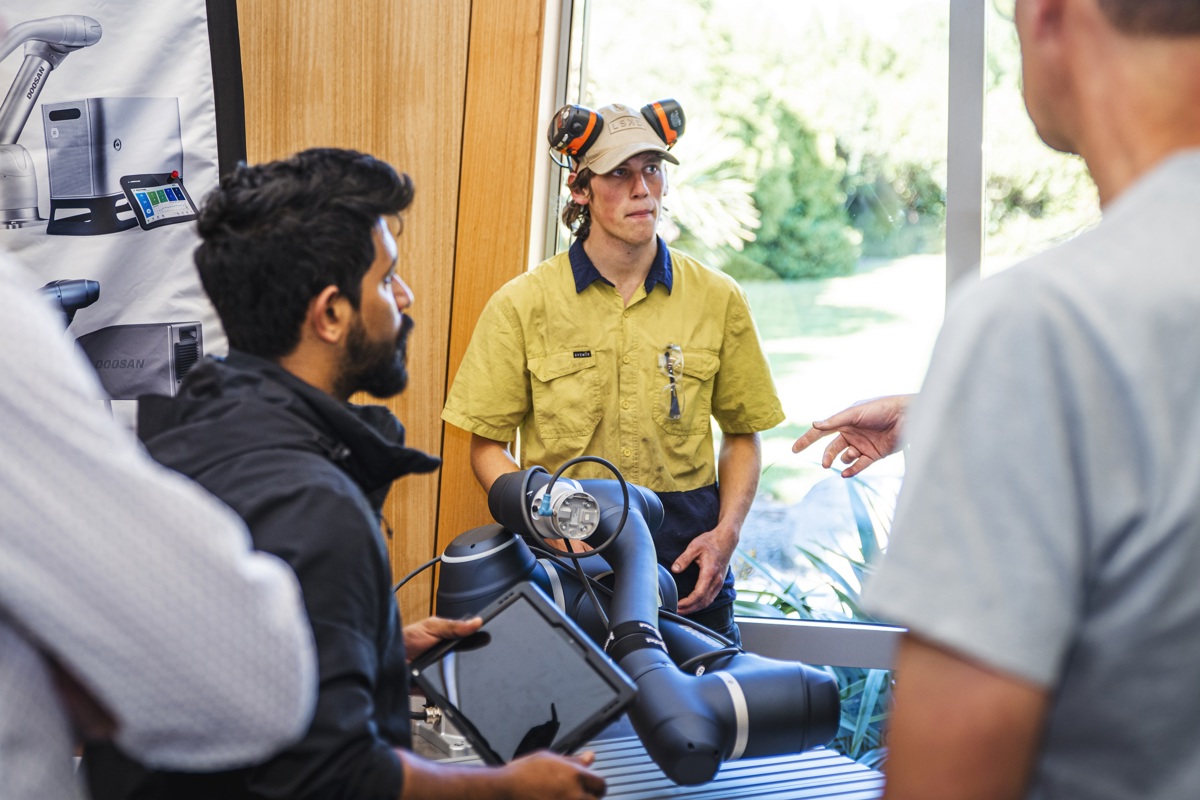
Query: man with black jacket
<point x="299" y="260"/>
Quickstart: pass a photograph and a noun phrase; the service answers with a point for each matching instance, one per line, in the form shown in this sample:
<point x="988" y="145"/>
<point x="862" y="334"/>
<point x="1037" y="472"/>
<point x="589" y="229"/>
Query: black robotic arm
<point x="728" y="705"/>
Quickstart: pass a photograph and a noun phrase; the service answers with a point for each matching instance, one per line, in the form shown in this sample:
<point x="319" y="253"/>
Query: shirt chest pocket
<point x="566" y="393"/>
<point x="683" y="406"/>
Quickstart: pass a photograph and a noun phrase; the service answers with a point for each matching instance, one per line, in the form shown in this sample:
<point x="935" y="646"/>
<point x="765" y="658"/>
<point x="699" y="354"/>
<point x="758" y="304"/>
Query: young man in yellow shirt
<point x="624" y="348"/>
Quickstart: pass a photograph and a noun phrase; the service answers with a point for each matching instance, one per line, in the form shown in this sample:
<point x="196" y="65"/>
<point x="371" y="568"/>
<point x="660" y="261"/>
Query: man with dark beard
<point x="299" y="259"/>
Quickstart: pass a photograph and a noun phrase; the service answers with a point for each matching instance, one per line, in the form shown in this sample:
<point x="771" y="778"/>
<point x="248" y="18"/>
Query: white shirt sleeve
<point x="131" y="577"/>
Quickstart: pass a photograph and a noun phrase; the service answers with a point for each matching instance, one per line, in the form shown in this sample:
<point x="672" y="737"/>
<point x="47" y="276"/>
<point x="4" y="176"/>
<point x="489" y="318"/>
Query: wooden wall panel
<point x="500" y="143"/>
<point x="446" y="90"/>
<point x="387" y="77"/>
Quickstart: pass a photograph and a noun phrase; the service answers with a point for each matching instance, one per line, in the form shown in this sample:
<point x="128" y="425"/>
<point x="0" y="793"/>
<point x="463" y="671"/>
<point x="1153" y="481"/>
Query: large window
<point x="813" y="170"/>
<point x="828" y="144"/>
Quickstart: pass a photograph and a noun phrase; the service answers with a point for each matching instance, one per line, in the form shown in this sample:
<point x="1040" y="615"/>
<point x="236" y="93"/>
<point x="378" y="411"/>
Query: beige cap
<point x="624" y="134"/>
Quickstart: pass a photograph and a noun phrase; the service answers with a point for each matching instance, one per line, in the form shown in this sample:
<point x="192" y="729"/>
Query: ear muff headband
<point x="666" y="119"/>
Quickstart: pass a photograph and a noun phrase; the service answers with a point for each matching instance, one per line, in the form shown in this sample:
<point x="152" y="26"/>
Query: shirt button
<point x="625" y="360"/>
<point x="625" y="315"/>
<point x="627" y="452"/>
<point x="625" y="404"/>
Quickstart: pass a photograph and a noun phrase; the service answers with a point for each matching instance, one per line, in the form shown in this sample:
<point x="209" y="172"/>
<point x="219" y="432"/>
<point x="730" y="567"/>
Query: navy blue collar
<point x="586" y="273"/>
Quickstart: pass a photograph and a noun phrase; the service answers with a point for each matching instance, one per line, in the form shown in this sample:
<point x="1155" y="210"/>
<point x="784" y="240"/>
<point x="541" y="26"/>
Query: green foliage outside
<point x="817" y="132"/>
<point x="1032" y="194"/>
<point x="813" y="169"/>
<point x="816" y="187"/>
<point x="865" y="693"/>
<point x="804" y="230"/>
<point x="900" y="208"/>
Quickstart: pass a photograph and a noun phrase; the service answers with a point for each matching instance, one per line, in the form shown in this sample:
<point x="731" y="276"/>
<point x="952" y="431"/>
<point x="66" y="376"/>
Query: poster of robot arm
<point x="108" y="143"/>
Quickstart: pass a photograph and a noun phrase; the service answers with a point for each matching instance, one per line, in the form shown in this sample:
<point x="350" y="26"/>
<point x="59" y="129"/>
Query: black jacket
<point x="308" y="474"/>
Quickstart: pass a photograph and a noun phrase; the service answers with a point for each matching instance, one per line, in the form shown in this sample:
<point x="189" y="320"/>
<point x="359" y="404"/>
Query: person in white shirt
<point x="131" y="604"/>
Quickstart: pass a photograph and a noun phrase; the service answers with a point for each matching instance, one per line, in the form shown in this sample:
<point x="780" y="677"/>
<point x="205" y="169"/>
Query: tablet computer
<point x="158" y="199"/>
<point x="529" y="679"/>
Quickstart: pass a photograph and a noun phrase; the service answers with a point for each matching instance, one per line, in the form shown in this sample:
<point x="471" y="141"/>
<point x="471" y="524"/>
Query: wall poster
<point x="108" y="142"/>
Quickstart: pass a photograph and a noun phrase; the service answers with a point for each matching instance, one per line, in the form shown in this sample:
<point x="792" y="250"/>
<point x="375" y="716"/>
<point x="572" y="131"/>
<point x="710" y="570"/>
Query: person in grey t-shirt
<point x="1046" y="545"/>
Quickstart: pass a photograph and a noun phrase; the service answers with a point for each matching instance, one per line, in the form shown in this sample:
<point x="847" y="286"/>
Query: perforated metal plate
<point x="816" y="774"/>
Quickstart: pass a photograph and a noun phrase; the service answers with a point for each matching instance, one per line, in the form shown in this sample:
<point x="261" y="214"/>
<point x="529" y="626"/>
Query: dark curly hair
<point x="576" y="217"/>
<point x="274" y="235"/>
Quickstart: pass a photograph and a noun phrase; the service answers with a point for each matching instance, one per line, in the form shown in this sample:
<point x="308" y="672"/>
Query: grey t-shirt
<point x="1049" y="525"/>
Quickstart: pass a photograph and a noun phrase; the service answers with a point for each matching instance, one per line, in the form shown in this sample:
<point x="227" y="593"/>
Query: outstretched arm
<point x="866" y="432"/>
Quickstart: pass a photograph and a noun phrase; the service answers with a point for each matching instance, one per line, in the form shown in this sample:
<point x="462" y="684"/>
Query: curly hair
<point x="274" y="235"/>
<point x="576" y="217"/>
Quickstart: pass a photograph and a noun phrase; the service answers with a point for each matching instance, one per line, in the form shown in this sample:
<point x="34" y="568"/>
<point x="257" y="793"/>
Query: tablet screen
<point x="158" y="199"/>
<point x="528" y="680"/>
<point x="163" y="202"/>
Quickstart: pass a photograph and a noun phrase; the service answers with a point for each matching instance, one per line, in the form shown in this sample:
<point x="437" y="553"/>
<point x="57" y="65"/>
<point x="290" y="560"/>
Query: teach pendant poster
<point x="108" y="142"/>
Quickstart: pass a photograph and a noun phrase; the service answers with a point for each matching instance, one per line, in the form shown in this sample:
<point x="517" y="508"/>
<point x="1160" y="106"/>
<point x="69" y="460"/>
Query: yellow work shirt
<point x="578" y="372"/>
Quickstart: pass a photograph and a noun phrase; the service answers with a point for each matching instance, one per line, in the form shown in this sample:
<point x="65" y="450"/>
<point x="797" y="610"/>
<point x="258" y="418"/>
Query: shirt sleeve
<point x="988" y="555"/>
<point x="132" y="578"/>
<point x="744" y="397"/>
<point x="491" y="393"/>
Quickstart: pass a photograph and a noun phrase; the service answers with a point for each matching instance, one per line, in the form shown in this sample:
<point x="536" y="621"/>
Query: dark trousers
<point x="719" y="620"/>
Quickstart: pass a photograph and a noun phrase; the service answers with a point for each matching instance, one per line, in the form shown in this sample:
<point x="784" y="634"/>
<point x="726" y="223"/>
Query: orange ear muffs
<point x="666" y="119"/>
<point x="573" y="130"/>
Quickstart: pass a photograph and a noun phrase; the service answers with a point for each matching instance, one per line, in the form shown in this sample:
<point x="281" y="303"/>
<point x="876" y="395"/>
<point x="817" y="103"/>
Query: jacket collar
<point x="258" y="405"/>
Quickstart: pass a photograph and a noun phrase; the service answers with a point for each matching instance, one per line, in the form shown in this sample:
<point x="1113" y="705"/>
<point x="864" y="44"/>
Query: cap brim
<point x="608" y="161"/>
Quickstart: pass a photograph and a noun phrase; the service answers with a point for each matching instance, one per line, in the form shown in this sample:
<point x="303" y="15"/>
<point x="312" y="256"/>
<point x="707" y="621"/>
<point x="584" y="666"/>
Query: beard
<point x="379" y="368"/>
